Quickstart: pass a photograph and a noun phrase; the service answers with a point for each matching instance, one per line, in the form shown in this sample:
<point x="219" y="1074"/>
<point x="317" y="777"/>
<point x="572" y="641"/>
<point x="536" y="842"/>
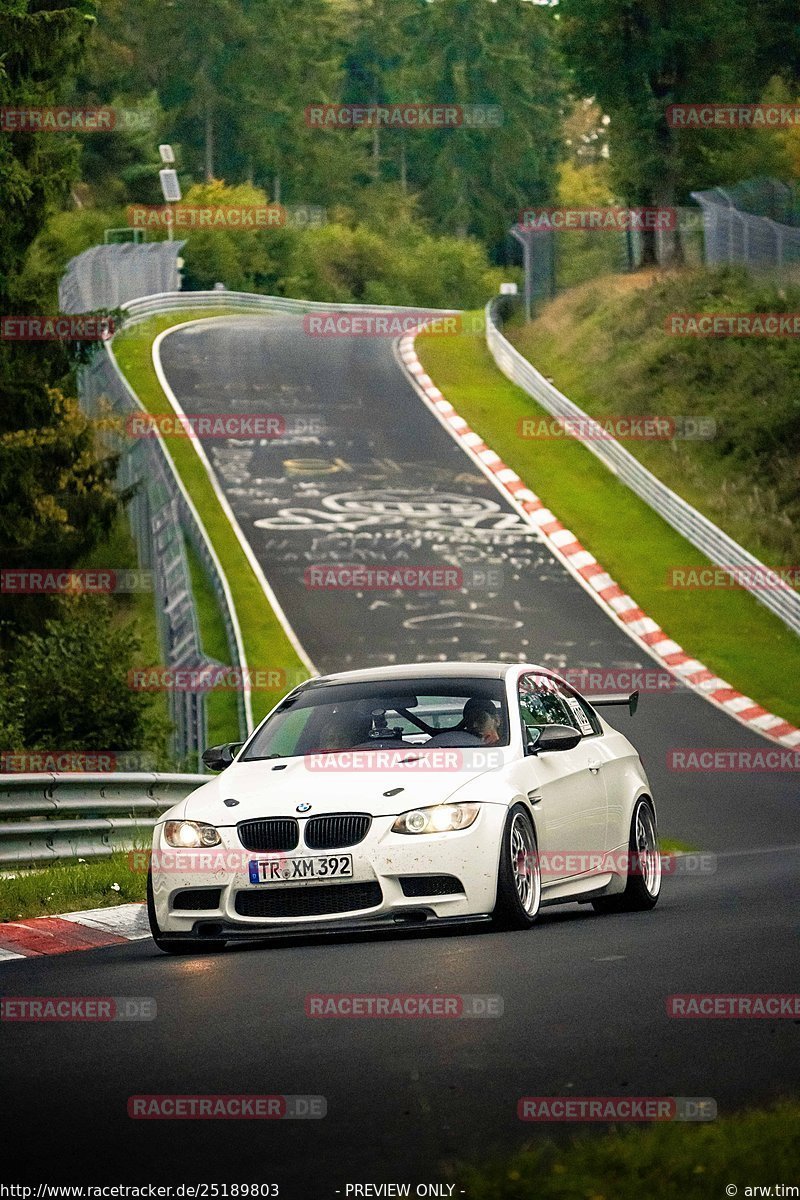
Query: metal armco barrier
<point x="150" y="306"/>
<point x="721" y="549"/>
<point x="45" y="817"/>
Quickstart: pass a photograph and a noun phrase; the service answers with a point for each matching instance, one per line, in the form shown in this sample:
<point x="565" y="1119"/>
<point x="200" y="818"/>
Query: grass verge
<point x="265" y="642"/>
<point x="222" y="712"/>
<point x="606" y="346"/>
<point x="667" y="1162"/>
<point x="728" y="630"/>
<point x="70" y="886"/>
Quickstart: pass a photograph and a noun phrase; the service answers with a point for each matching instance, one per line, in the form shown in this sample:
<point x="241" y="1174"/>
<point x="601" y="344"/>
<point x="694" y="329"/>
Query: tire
<point x="644" y="882"/>
<point x="519" y="876"/>
<point x="167" y="945"/>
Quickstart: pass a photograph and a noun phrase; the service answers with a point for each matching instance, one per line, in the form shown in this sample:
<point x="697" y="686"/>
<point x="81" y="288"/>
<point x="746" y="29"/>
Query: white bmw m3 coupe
<point x="426" y="794"/>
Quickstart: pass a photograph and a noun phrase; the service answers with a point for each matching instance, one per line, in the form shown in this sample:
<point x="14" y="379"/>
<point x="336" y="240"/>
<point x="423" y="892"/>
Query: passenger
<point x="482" y="719"/>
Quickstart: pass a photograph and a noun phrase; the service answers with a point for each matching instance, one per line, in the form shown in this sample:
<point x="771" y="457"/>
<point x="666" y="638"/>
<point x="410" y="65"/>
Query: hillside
<point x="605" y="346"/>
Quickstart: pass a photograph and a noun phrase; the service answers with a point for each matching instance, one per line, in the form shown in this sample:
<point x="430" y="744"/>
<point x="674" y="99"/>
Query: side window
<point x="582" y="716"/>
<point x="541" y="704"/>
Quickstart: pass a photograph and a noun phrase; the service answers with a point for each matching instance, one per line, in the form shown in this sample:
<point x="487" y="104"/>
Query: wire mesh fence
<point x="162" y="520"/>
<point x="106" y="277"/>
<point x="755" y="224"/>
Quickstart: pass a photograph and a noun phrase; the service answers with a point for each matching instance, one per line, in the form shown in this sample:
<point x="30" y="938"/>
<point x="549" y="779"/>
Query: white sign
<point x="170" y="188"/>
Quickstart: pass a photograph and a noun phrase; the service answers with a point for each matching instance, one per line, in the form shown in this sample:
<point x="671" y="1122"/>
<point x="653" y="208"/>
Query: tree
<point x="502" y="54"/>
<point x="67" y="687"/>
<point x="55" y="494"/>
<point x="379" y="62"/>
<point x="40" y="48"/>
<point x="636" y="57"/>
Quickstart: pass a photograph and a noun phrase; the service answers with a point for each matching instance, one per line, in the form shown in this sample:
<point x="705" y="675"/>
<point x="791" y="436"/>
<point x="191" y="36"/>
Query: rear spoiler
<point x="632" y="701"/>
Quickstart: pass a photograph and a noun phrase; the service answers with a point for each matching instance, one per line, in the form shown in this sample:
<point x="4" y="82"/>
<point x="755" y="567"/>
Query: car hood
<point x="277" y="787"/>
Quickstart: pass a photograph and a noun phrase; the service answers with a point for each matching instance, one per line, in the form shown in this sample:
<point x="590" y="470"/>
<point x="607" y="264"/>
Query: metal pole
<point x="527" y="259"/>
<point x="524" y="238"/>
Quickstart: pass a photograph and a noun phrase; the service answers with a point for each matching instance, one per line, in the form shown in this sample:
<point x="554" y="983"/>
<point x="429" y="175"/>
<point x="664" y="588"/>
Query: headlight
<point x="188" y="835"/>
<point x="444" y="818"/>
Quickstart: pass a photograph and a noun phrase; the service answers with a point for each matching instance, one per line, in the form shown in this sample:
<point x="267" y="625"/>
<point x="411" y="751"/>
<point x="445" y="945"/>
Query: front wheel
<point x="519" y="877"/>
<point x="644" y="866"/>
<point x="166" y="945"/>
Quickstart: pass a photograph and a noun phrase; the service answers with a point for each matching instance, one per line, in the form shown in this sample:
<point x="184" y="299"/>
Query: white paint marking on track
<point x="125" y="920"/>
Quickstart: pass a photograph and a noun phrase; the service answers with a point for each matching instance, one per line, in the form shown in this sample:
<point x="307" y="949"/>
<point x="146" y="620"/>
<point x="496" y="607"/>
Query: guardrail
<point x="150" y="306"/>
<point x="707" y="537"/>
<point x="46" y="817"/>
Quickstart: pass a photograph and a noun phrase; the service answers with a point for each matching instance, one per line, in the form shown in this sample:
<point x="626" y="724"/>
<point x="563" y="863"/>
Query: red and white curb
<point x="38" y="936"/>
<point x="581" y="564"/>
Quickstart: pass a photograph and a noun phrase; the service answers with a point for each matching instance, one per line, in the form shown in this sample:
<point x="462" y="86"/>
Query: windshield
<point x="384" y="715"/>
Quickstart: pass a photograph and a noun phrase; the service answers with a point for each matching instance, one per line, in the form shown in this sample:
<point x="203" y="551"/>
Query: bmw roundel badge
<point x="303" y="807"/>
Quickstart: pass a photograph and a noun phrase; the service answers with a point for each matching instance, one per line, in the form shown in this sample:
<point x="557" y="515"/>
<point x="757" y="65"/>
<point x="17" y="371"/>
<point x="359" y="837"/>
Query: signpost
<point x="170" y="187"/>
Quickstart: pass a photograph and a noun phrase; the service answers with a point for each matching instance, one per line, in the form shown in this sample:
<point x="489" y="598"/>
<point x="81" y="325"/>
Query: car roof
<point x="428" y="670"/>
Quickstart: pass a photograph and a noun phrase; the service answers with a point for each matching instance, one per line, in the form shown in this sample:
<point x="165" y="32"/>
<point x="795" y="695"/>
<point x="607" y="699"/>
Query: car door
<point x="566" y="787"/>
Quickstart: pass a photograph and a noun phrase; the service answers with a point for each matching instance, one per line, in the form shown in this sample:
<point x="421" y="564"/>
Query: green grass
<point x="71" y="886"/>
<point x="671" y="846"/>
<point x="222" y="714"/>
<point x="605" y="346"/>
<point x="677" y="1161"/>
<point x="728" y="630"/>
<point x="265" y="642"/>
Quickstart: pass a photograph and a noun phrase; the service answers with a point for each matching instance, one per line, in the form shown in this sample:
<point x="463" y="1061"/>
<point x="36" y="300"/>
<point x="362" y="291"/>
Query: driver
<point x="482" y="719"/>
<point x="342" y="730"/>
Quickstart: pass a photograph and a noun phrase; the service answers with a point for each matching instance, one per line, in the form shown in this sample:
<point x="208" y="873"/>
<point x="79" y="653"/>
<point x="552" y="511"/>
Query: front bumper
<point x="383" y="858"/>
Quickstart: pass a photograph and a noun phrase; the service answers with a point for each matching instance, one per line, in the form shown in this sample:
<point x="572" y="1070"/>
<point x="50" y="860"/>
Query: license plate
<point x="291" y="870"/>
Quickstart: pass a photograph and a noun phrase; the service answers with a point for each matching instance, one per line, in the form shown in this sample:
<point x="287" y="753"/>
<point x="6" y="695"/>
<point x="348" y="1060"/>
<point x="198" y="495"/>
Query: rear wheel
<point x="519" y="877"/>
<point x="644" y="866"/>
<point x="167" y="945"/>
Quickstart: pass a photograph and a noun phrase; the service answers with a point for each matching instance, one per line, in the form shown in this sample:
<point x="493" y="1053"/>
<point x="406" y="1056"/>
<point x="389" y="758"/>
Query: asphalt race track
<point x="584" y="996"/>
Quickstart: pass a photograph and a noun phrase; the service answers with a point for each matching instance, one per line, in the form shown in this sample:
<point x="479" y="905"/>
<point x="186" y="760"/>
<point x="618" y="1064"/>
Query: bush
<point x="66" y="687"/>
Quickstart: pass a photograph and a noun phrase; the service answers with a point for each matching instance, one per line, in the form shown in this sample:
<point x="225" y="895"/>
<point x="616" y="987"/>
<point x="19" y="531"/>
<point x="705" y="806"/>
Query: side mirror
<point x="217" y="758"/>
<point x="552" y="737"/>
